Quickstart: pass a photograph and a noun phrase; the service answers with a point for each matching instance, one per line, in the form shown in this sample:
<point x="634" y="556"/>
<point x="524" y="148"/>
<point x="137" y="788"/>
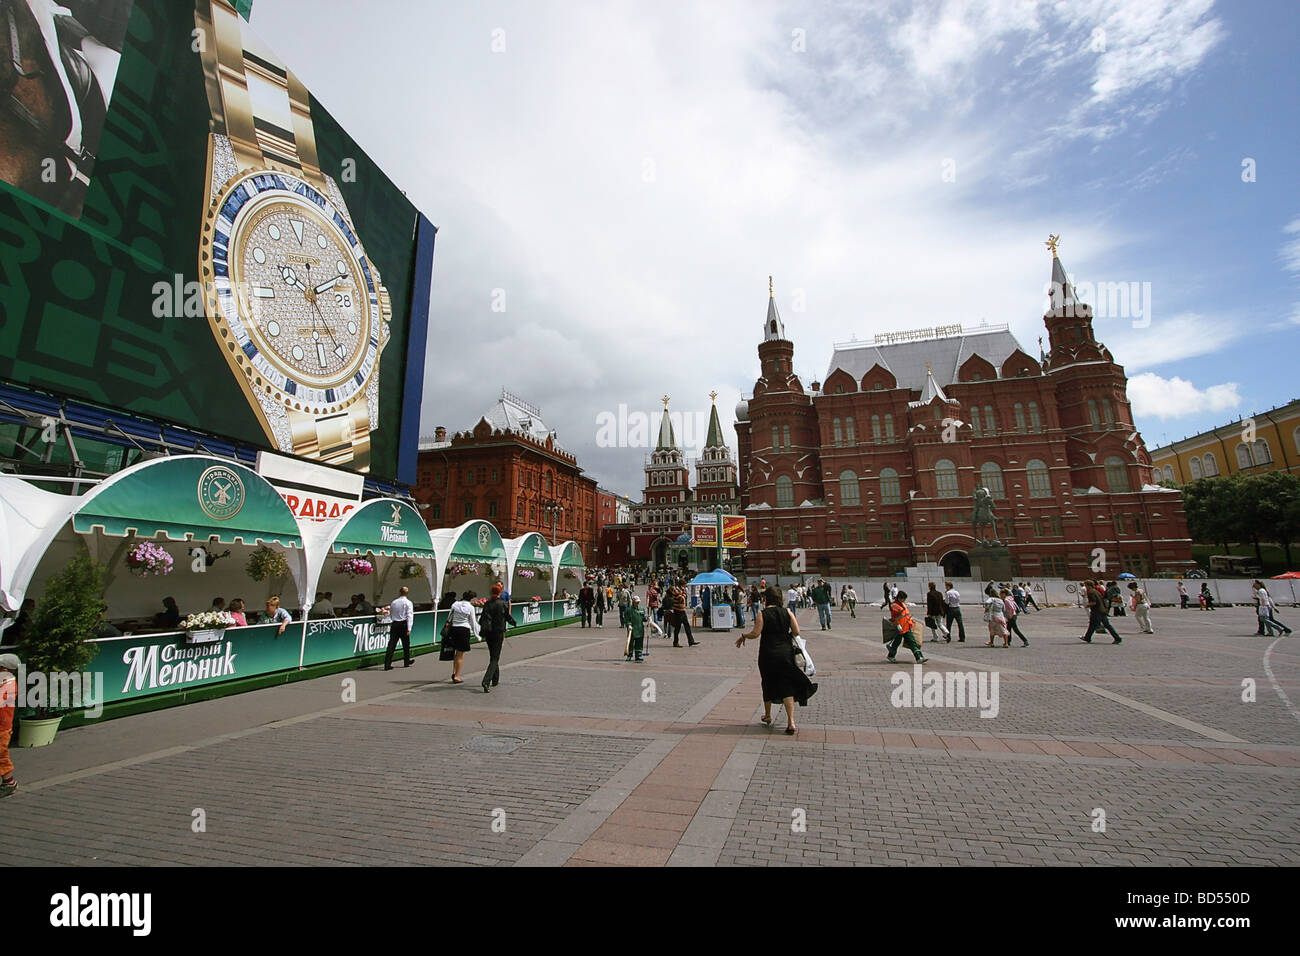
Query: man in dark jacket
<point x="492" y="628"/>
<point x="586" y="601"/>
<point x="821" y="596"/>
<point x="680" y="616"/>
<point x="1097" y="619"/>
<point x="935" y="608"/>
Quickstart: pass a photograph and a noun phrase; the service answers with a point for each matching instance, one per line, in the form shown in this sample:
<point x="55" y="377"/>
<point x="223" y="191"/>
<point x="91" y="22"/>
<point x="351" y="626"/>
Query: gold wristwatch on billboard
<point x="299" y="312"/>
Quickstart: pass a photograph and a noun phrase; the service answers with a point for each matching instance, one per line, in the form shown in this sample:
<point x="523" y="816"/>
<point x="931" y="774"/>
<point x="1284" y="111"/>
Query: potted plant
<point x="354" y="567"/>
<point x="265" y="563"/>
<point x="57" y="641"/>
<point x="207" y="626"/>
<point x="410" y="570"/>
<point x="145" y="558"/>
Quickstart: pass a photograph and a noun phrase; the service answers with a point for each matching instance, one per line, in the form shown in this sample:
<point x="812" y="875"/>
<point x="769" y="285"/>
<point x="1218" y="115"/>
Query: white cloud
<point x="1156" y="397"/>
<point x="627" y="279"/>
<point x="1165" y="340"/>
<point x="1290" y="251"/>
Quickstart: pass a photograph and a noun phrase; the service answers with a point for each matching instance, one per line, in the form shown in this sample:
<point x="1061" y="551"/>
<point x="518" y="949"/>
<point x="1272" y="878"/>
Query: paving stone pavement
<point x="580" y="758"/>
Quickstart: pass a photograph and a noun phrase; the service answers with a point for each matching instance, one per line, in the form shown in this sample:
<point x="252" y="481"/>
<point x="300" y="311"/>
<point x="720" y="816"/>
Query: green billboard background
<point x="77" y="295"/>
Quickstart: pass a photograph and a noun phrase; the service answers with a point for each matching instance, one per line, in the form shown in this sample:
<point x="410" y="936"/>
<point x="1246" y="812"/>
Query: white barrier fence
<point x="1160" y="591"/>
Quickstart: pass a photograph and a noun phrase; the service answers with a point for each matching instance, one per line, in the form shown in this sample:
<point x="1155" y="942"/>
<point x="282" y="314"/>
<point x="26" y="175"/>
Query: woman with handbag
<point x="995" y="616"/>
<point x="783" y="679"/>
<point x="493" y="628"/>
<point x="461" y="624"/>
<point x="1012" y="611"/>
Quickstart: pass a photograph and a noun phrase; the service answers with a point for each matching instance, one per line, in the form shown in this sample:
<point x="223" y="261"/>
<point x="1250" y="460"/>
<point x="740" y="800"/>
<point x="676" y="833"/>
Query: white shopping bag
<point x="802" y="657"/>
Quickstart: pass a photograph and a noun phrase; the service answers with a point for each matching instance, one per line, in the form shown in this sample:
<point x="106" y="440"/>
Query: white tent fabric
<point x="29" y="518"/>
<point x="513" y="547"/>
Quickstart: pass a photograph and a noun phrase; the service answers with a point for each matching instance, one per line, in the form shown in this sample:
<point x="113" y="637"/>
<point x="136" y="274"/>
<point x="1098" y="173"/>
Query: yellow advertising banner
<point x="733" y="532"/>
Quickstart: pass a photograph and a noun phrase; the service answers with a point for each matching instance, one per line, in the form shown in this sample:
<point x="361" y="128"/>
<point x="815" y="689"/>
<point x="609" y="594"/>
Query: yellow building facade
<point x="1265" y="441"/>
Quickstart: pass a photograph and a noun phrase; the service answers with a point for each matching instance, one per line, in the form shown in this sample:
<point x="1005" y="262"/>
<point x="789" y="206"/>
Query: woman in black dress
<point x="783" y="679"/>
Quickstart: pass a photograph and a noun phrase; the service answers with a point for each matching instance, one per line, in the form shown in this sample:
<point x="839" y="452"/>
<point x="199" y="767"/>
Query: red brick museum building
<point x="510" y="470"/>
<point x="874" y="470"/>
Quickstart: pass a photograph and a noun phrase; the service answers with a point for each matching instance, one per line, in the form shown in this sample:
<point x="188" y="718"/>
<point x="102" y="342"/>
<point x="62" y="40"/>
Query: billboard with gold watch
<point x="186" y="234"/>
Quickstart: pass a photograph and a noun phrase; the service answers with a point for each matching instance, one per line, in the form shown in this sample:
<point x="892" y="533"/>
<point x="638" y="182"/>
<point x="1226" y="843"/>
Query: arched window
<point x="990" y="421"/>
<point x="1211" y="465"/>
<point x="945" y="478"/>
<point x="1169" y="473"/>
<point x="890" y="492"/>
<point x="1296" y="437"/>
<point x="1243" y="456"/>
<point x="1107" y="415"/>
<point x="837" y="435"/>
<point x="1263" y="455"/>
<point x="975" y="419"/>
<point x="1116" y="474"/>
<point x="849" y="489"/>
<point x="1197" y="470"/>
<point x="1040" y="481"/>
<point x="784" y="492"/>
<point x="849" y="435"/>
<point x="1035" y="422"/>
<point x="776" y="438"/>
<point x="1093" y="415"/>
<point x="889" y="426"/>
<point x="785" y="436"/>
<point x="1019" y="411"/>
<point x="991" y="478"/>
<point x="875" y="429"/>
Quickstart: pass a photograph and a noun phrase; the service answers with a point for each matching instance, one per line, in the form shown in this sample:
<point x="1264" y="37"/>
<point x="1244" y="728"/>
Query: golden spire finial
<point x="714" y="396"/>
<point x="1051" y="244"/>
<point x="770" y="293"/>
<point x="665" y="401"/>
<point x="927" y="369"/>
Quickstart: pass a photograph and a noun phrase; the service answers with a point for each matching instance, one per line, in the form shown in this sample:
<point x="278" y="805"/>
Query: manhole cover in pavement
<point x="494" y="744"/>
<point x="513" y="681"/>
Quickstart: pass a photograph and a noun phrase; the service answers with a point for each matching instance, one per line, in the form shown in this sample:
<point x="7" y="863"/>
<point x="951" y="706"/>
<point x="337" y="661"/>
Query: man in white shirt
<point x="1264" y="608"/>
<point x="402" y="611"/>
<point x="792" y="599"/>
<point x="323" y="606"/>
<point x="952" y="611"/>
<point x="1141" y="607"/>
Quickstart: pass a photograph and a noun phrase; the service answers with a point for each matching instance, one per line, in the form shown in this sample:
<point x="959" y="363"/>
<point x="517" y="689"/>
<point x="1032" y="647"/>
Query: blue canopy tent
<point x="712" y="578"/>
<point x="722" y="618"/>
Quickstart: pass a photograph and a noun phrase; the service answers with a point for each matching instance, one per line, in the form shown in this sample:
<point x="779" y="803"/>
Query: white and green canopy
<point x="189" y="497"/>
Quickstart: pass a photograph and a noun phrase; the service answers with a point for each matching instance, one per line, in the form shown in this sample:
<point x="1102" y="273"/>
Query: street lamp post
<point x="554" y="509"/>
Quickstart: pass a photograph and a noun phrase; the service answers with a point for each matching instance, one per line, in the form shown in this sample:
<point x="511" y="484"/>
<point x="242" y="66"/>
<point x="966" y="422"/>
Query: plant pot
<point x="205" y="637"/>
<point x="37" y="733"/>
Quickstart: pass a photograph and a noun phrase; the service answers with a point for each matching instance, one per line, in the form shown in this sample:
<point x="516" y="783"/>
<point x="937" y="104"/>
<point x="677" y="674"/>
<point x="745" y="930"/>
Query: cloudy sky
<point x="623" y="177"/>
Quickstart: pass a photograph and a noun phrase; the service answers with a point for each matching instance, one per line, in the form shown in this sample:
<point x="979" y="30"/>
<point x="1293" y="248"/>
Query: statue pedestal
<point x="990" y="561"/>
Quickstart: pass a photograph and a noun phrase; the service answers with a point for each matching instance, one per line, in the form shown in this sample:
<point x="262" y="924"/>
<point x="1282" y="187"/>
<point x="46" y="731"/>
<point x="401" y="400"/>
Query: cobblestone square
<point x="1147" y="753"/>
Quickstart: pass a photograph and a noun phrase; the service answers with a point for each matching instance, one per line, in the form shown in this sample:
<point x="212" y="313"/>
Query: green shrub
<point x="64" y="622"/>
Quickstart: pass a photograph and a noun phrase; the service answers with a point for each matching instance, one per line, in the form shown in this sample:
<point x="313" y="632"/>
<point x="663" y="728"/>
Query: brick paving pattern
<point x="1153" y="732"/>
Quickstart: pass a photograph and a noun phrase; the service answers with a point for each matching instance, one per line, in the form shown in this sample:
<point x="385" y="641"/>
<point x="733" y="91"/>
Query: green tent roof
<point x="533" y="552"/>
<point x="571" y="557"/>
<point x="480" y="541"/>
<point x="385" y="526"/>
<point x="190" y="496"/>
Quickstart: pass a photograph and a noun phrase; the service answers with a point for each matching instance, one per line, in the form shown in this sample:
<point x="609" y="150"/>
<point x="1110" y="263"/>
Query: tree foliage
<point x="1244" y="509"/>
<point x="65" y="620"/>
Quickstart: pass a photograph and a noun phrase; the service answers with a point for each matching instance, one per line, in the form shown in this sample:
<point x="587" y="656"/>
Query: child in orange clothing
<point x="900" y="620"/>
<point x="8" y="700"/>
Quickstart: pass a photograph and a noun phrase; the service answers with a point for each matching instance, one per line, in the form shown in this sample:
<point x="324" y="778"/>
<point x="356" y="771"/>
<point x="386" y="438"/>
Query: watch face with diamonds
<point x="296" y="302"/>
